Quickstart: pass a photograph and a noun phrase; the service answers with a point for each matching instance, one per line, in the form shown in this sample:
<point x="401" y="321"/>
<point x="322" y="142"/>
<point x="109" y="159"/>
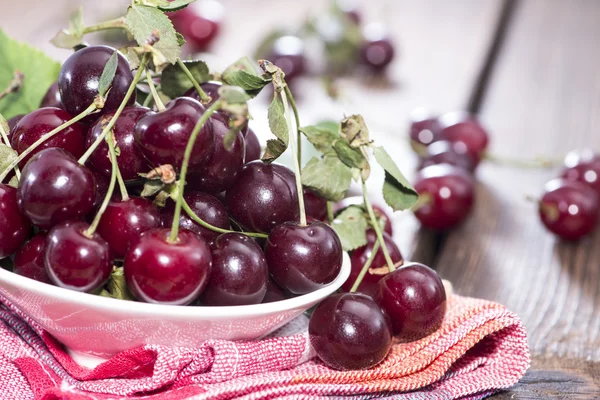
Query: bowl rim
<point x="140" y="308"/>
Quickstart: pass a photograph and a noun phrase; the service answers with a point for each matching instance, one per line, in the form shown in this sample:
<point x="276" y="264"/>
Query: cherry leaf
<point x="279" y="127"/>
<point x="351" y="227"/>
<point x="152" y="187"/>
<point x="7" y="156"/>
<point x="174" y="81"/>
<point x="243" y="73"/>
<point x="14" y="182"/>
<point x="398" y="193"/>
<point x="4" y="126"/>
<point x="355" y="131"/>
<point x="116" y="287"/>
<point x="108" y="74"/>
<point x="68" y="39"/>
<point x="328" y="177"/>
<point x="321" y="136"/>
<point x="350" y="156"/>
<point x="174" y="5"/>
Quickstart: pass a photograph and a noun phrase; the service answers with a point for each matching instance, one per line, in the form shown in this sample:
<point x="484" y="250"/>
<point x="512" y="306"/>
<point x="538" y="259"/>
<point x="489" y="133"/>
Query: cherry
<point x="377" y="51"/>
<point x="303" y="259"/>
<point x="447" y="193"/>
<point x="465" y="131"/>
<point x="131" y="160"/>
<point x="211" y="88"/>
<point x="79" y="77"/>
<point x="14" y="226"/>
<point x="158" y="271"/>
<point x="199" y="23"/>
<point x="223" y="167"/>
<point x="101" y="184"/>
<point x="29" y="260"/>
<point x="569" y="208"/>
<point x="54" y="188"/>
<point x="378" y="268"/>
<point x="288" y="54"/>
<point x="52" y="97"/>
<point x="163" y="136"/>
<point x="444" y="152"/>
<point x="415" y="299"/>
<point x="274" y="292"/>
<point x="123" y="221"/>
<point x="583" y="167"/>
<point x="75" y="260"/>
<point x="239" y="272"/>
<point x="349" y="331"/>
<point x="263" y="197"/>
<point x="315" y="205"/>
<point x="41" y="121"/>
<point x="12" y="123"/>
<point x="208" y="208"/>
<point x="424" y="127"/>
<point x="380" y="213"/>
<point x="253" y="149"/>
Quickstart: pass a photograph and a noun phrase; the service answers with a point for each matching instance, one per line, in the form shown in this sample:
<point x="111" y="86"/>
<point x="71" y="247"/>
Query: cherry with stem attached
<point x="204" y="98"/>
<point x="377" y="228"/>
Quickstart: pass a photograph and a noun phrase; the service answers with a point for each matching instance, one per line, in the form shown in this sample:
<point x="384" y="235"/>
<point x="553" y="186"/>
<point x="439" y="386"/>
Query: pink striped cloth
<point x="480" y="349"/>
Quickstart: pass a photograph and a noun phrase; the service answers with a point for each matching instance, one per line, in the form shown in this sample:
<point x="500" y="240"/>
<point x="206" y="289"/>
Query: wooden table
<point x="529" y="68"/>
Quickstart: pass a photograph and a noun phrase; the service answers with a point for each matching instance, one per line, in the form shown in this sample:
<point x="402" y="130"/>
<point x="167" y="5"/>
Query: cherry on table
<point x="583" y="166"/>
<point x="315" y="205"/>
<point x="349" y="331"/>
<point x="239" y="272"/>
<point x="303" y="259"/>
<point x="377" y="51"/>
<point x="14" y="225"/>
<point x="29" y="260"/>
<point x="569" y="208"/>
<point x="465" y="131"/>
<point x="54" y="188"/>
<point x="158" y="271"/>
<point x="76" y="261"/>
<point x="52" y="97"/>
<point x="253" y="149"/>
<point x="445" y="152"/>
<point x="414" y="298"/>
<point x="424" y="128"/>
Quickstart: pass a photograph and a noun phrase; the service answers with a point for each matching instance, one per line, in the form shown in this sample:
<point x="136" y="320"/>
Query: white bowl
<point x="102" y="327"/>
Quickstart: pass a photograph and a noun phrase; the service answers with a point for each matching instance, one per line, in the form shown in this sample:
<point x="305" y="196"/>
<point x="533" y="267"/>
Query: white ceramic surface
<point x="102" y="326"/>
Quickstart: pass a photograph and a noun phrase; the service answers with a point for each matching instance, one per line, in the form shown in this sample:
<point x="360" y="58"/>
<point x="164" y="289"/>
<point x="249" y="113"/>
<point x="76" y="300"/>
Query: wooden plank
<point x="543" y="99"/>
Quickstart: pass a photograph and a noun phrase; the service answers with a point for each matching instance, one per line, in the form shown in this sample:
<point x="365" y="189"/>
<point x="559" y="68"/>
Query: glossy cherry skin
<point x="211" y="88"/>
<point x="239" y="272"/>
<point x="29" y="260"/>
<point x="223" y="167"/>
<point x="263" y="197"/>
<point x="445" y="152"/>
<point x="12" y="123"/>
<point x="163" y="136"/>
<point x="199" y="23"/>
<point x="424" y="127"/>
<point x="315" y="205"/>
<point x="14" y="225"/>
<point x="466" y="131"/>
<point x="41" y="121"/>
<point x="274" y="292"/>
<point x="79" y="77"/>
<point x="377" y="54"/>
<point x="54" y="188"/>
<point x="288" y="54"/>
<point x="449" y="195"/>
<point x="303" y="259"/>
<point x="415" y="299"/>
<point x="52" y="97"/>
<point x="158" y="271"/>
<point x="101" y="184"/>
<point x="583" y="167"/>
<point x="379" y="267"/>
<point x="253" y="149"/>
<point x="349" y="331"/>
<point x="207" y="207"/>
<point x="131" y="160"/>
<point x="569" y="208"/>
<point x="124" y="221"/>
<point x="76" y="261"/>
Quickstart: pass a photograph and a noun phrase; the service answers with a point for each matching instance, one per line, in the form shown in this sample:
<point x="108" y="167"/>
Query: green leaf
<point x="328" y="177"/>
<point x="321" y="136"/>
<point x="68" y="39"/>
<point x="180" y="39"/>
<point x="352" y="157"/>
<point x="397" y="190"/>
<point x="174" y="5"/>
<point x="116" y="287"/>
<point x="14" y="182"/>
<point x="279" y="127"/>
<point x="242" y="73"/>
<point x="40" y="72"/>
<point x="152" y="187"/>
<point x="351" y="227"/>
<point x="7" y="156"/>
<point x="233" y="95"/>
<point x="174" y="81"/>
<point x="108" y="74"/>
<point x="145" y="21"/>
<point x="76" y="23"/>
<point x="4" y="126"/>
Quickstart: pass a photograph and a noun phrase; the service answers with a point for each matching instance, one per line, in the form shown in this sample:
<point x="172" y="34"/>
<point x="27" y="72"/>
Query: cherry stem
<point x="91" y="108"/>
<point x="377" y="228"/>
<point x="5" y="139"/>
<point x="110" y="140"/>
<point x="365" y="267"/>
<point x="159" y="104"/>
<point x="295" y="155"/>
<point x="201" y="222"/>
<point x="117" y="23"/>
<point x="288" y="93"/>
<point x="204" y="98"/>
<point x="536" y="162"/>
<point x="14" y="85"/>
<point x="114" y="159"/>
<point x="113" y="120"/>
<point x="330" y="211"/>
<point x="184" y="167"/>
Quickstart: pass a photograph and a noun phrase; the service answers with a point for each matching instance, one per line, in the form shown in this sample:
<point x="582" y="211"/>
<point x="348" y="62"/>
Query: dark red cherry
<point x="424" y="128"/>
<point x="79" y="77"/>
<point x="315" y="205"/>
<point x="377" y="51"/>
<point x="349" y="331"/>
<point x="378" y="268"/>
<point x="163" y="136"/>
<point x="158" y="271"/>
<point x="223" y="166"/>
<point x="101" y="184"/>
<point x="12" y="123"/>
<point x="288" y="54"/>
<point x="303" y="259"/>
<point x="584" y="167"/>
<point x="569" y="208"/>
<point x="466" y="132"/>
<point x="207" y="207"/>
<point x="29" y="260"/>
<point x="14" y="226"/>
<point x="124" y="221"/>
<point x="131" y="160"/>
<point x="447" y="195"/>
<point x="415" y="299"/>
<point x="54" y="188"/>
<point x="253" y="149"/>
<point x="263" y="197"/>
<point x="274" y="292"/>
<point x="52" y="97"/>
<point x="199" y="23"/>
<point x="445" y="152"/>
<point x="41" y="121"/>
<point x="75" y="261"/>
<point x="239" y="272"/>
<point x="211" y="88"/>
